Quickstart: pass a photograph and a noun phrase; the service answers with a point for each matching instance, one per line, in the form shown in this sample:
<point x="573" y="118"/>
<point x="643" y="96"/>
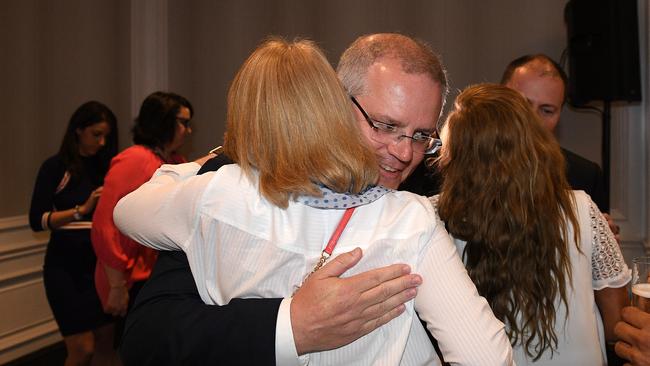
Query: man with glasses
<point x="398" y="86"/>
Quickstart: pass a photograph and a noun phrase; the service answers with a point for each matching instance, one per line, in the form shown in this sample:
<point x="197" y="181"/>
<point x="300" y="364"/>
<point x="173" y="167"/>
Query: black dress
<point x="69" y="268"/>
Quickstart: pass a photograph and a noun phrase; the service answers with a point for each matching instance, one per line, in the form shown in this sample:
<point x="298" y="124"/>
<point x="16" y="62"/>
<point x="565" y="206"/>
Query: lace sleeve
<point x="608" y="266"/>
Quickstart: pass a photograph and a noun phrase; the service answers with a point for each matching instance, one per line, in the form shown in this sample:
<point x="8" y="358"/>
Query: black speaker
<point x="603" y="52"/>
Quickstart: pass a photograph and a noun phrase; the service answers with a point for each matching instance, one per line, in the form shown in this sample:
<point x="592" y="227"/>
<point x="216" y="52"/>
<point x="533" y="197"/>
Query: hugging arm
<point x="455" y="314"/>
<point x="170" y="324"/>
<point x="178" y="328"/>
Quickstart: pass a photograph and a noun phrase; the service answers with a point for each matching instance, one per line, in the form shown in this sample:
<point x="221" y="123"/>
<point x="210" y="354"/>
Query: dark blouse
<point x="51" y="195"/>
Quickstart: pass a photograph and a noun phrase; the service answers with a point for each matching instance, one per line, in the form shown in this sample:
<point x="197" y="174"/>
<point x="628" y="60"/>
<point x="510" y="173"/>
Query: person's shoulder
<point x="53" y="163"/>
<point x="136" y="151"/>
<point x="581" y="197"/>
<point x="583" y="203"/>
<point x="215" y="163"/>
<point x="575" y="160"/>
<point x="137" y="154"/>
<point x="412" y="203"/>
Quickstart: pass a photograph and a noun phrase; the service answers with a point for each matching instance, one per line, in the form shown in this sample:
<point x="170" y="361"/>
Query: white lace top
<point x="581" y="339"/>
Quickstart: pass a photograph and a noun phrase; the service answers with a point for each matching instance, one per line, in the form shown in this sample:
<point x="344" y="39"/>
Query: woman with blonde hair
<point x="258" y="228"/>
<point x="542" y="254"/>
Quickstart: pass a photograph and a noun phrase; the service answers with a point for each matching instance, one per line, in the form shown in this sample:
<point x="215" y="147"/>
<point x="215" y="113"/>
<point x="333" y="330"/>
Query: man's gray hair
<point x="415" y="56"/>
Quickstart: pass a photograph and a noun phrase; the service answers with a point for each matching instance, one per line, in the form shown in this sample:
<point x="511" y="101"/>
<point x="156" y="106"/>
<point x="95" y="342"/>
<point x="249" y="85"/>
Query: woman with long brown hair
<point x="541" y="254"/>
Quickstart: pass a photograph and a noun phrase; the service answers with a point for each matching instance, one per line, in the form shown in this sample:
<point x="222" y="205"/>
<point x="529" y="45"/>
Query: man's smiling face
<point x="411" y="102"/>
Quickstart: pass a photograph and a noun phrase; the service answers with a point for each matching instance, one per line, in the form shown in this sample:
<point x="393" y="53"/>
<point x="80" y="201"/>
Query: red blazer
<point x="128" y="171"/>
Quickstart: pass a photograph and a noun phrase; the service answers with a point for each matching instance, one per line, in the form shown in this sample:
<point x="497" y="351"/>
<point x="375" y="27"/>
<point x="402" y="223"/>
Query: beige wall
<point x="54" y="55"/>
<point x="58" y="54"/>
<point x="209" y="40"/>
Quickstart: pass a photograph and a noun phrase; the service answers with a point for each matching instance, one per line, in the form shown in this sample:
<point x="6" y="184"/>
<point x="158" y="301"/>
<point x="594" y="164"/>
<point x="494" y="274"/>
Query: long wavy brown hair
<point x="505" y="193"/>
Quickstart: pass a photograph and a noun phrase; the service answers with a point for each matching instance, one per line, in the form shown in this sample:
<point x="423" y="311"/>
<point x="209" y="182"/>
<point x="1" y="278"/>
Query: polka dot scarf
<point x="336" y="200"/>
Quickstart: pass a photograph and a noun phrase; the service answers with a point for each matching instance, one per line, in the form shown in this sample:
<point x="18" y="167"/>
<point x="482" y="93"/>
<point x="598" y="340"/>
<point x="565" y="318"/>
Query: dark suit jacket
<point x="587" y="176"/>
<point x="424" y="181"/>
<point x="582" y="174"/>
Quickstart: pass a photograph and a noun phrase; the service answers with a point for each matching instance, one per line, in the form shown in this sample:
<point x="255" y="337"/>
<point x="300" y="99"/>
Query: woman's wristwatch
<point x="77" y="215"/>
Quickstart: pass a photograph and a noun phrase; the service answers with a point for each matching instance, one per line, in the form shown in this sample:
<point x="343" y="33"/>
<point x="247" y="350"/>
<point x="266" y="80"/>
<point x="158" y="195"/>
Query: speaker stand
<point x="606" y="139"/>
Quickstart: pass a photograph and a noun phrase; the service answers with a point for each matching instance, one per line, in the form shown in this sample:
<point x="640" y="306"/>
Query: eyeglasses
<point x="183" y="121"/>
<point x="387" y="133"/>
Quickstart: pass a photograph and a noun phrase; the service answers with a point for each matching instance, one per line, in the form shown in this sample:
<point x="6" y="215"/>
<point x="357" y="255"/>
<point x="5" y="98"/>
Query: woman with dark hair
<point x="541" y="254"/>
<point x="65" y="193"/>
<point x="122" y="264"/>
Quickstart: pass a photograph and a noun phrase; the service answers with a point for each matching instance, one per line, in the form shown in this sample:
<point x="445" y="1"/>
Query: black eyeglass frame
<point x="434" y="144"/>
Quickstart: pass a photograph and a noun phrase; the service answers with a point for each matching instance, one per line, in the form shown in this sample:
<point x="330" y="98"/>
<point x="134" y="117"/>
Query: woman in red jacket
<point x="122" y="264"/>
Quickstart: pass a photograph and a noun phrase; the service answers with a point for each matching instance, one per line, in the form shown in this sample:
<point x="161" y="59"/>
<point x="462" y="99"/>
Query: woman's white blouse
<point x="241" y="246"/>
<point x="597" y="265"/>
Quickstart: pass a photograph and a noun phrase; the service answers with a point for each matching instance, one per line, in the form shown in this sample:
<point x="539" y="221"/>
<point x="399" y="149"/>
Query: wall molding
<point x="28" y="339"/>
<point x="31" y="325"/>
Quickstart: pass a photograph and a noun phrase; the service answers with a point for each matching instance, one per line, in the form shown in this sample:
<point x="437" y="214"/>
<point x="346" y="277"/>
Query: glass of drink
<point x="641" y="283"/>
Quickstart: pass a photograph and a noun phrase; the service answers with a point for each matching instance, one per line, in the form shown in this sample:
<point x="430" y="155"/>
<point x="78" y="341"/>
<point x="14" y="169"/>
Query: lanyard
<point x="327" y="252"/>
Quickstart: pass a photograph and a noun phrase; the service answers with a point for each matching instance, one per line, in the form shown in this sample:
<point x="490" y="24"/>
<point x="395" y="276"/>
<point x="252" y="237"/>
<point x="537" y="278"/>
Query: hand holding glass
<point x="640" y="283"/>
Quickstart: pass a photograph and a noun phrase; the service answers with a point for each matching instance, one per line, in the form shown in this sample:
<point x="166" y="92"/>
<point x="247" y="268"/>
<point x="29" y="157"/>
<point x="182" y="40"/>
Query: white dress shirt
<point x="239" y="245"/>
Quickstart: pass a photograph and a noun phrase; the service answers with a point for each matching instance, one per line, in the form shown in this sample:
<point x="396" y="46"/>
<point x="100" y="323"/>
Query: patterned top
<point x="336" y="200"/>
<point x="581" y="339"/>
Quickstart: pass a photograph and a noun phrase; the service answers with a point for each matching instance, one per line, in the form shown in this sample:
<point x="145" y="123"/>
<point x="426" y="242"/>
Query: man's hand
<point x="634" y="334"/>
<point x="329" y="312"/>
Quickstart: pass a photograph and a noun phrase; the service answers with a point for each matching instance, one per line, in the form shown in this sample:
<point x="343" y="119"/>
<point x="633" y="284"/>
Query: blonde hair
<point x="290" y="120"/>
<point x="505" y="192"/>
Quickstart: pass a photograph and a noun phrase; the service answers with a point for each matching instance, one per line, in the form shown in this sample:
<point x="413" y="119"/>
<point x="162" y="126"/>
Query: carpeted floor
<point x="49" y="356"/>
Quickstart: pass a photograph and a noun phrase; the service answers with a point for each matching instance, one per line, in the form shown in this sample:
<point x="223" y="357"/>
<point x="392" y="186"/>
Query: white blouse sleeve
<point x="460" y="319"/>
<point x="162" y="213"/>
<point x="608" y="266"/>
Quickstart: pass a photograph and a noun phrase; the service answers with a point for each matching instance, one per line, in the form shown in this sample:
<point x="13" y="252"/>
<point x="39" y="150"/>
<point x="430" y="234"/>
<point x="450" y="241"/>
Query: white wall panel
<point x="26" y="323"/>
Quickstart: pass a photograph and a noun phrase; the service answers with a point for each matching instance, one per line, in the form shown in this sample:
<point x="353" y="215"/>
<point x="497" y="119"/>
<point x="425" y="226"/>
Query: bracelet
<point x="77" y="215"/>
<point x="49" y="216"/>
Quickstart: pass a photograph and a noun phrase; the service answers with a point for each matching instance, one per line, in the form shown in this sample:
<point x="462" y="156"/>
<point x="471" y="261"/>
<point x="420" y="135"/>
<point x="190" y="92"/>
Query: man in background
<point x="543" y="82"/>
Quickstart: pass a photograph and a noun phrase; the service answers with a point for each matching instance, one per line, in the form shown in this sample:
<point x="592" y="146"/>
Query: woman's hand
<point x="118" y="296"/>
<point x="91" y="202"/>
<point x="118" y="301"/>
